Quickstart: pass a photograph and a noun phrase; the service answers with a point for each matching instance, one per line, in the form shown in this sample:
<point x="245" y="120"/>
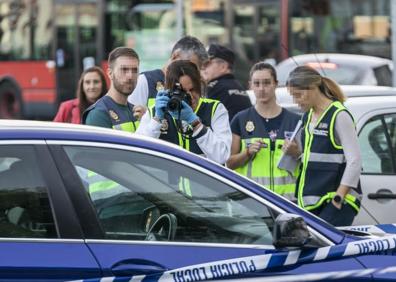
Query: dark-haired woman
<point x="259" y="133"/>
<point x="204" y="127"/>
<point x="329" y="182"/>
<point x="91" y="87"/>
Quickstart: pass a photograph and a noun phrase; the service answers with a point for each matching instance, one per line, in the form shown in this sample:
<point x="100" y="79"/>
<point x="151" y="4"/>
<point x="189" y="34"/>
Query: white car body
<point x="343" y="68"/>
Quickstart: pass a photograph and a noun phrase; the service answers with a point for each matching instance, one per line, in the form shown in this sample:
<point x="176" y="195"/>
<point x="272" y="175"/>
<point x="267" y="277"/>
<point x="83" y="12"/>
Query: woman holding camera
<point x="197" y="124"/>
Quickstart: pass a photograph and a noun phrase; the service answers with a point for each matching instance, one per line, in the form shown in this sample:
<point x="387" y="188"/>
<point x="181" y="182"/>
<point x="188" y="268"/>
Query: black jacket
<point x="230" y="92"/>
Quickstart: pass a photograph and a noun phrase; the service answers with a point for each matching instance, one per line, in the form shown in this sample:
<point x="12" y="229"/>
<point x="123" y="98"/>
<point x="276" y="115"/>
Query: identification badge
<point x="113" y="115"/>
<point x="159" y="86"/>
<point x="249" y="126"/>
<point x="164" y="126"/>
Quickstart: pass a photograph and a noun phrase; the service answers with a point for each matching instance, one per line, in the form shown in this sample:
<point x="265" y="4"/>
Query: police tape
<point x="320" y="276"/>
<point x="251" y="264"/>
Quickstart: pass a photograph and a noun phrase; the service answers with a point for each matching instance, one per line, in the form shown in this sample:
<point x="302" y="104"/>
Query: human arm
<point x="62" y="114"/>
<point x="149" y="126"/>
<point x="292" y="144"/>
<point x="346" y="136"/>
<point x="139" y="95"/>
<point x="152" y="126"/>
<point x="239" y="158"/>
<point x="97" y="117"/>
<point x="139" y="111"/>
<point x="291" y="148"/>
<point x="215" y="142"/>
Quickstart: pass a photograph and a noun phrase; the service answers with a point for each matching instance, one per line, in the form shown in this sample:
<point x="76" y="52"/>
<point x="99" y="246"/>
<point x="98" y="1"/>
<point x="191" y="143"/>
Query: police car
<point x="79" y="202"/>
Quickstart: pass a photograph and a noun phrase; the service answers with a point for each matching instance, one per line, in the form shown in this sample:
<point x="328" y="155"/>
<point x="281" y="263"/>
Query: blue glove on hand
<point x="187" y="114"/>
<point x="161" y="102"/>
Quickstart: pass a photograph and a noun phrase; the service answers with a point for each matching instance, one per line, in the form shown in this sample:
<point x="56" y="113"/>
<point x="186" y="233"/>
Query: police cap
<point x="221" y="52"/>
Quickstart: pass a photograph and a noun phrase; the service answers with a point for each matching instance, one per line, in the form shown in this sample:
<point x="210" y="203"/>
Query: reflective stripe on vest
<point x="330" y="162"/>
<point x="101" y="188"/>
<point x="151" y="103"/>
<point x="263" y="168"/>
<point x="184" y="186"/>
<point x="313" y="202"/>
<point x="327" y="158"/>
<point x="127" y="126"/>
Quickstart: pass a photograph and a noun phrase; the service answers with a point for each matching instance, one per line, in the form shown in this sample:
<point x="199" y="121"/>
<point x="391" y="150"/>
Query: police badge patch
<point x="113" y="115"/>
<point x="164" y="126"/>
<point x="249" y="126"/>
<point x="159" y="86"/>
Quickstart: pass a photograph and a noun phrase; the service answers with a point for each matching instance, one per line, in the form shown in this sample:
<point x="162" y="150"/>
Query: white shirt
<point x="215" y="144"/>
<point x="139" y="96"/>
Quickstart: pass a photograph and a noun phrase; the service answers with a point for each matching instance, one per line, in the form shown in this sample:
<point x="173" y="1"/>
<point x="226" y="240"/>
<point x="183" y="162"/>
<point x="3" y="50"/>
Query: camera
<point x="176" y="96"/>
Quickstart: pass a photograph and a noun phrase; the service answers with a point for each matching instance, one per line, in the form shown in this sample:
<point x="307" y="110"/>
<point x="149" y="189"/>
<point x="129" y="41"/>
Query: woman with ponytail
<point x="328" y="185"/>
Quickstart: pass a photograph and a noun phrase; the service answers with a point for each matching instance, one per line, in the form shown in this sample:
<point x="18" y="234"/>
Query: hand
<point x="187" y="114"/>
<point x="253" y="148"/>
<point x="161" y="102"/>
<point x="291" y="148"/>
<point x="139" y="111"/>
<point x="337" y="205"/>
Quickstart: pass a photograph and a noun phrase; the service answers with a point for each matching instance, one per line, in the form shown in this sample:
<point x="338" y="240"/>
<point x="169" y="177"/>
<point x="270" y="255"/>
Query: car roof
<point x="346" y="59"/>
<point x="283" y="96"/>
<point x="360" y="106"/>
<point x="29" y="129"/>
<point x="344" y="68"/>
<point x="45" y="130"/>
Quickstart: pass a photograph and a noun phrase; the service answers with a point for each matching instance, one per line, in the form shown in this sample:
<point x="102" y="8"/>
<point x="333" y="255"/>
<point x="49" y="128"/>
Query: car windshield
<point x="342" y="74"/>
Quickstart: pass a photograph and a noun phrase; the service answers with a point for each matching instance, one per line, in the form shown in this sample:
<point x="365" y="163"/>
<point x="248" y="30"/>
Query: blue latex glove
<point x="187" y="114"/>
<point x="161" y="102"/>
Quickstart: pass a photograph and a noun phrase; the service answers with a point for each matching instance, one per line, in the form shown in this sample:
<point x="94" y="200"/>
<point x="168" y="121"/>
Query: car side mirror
<point x="290" y="230"/>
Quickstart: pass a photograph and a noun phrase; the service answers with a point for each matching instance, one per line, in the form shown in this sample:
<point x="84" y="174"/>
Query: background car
<point x="374" y="111"/>
<point x="284" y="98"/>
<point x="347" y="69"/>
<point x="79" y="202"/>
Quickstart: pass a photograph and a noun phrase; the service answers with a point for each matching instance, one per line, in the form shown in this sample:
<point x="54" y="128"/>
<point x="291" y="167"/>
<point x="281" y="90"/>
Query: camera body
<point x="176" y="96"/>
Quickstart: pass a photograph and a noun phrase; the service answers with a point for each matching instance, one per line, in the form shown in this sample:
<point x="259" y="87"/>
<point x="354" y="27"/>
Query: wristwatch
<point x="338" y="199"/>
<point x="195" y="122"/>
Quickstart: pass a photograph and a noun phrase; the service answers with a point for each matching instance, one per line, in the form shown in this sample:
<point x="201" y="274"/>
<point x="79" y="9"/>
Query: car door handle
<point x="381" y="195"/>
<point x="137" y="267"/>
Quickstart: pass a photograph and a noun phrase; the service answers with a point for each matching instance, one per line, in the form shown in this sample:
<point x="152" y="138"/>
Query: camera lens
<point x="174" y="103"/>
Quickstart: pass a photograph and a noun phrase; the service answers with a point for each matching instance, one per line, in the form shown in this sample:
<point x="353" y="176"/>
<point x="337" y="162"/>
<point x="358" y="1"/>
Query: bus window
<point x="25" y="30"/>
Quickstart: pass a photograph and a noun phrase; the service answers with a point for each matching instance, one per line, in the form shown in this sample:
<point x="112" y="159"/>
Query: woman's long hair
<point x="179" y="68"/>
<point x="81" y="95"/>
<point x="304" y="77"/>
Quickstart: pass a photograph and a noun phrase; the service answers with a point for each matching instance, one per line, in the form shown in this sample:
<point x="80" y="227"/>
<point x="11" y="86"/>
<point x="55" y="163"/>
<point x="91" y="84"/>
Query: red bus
<point x="45" y="44"/>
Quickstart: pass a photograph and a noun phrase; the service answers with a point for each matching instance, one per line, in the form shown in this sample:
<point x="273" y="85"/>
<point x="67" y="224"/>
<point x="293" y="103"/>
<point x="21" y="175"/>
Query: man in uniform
<point x="222" y="84"/>
<point x="113" y="109"/>
<point x="150" y="82"/>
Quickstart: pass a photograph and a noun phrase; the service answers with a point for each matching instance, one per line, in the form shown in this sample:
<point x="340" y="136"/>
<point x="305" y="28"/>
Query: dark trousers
<point x="336" y="217"/>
